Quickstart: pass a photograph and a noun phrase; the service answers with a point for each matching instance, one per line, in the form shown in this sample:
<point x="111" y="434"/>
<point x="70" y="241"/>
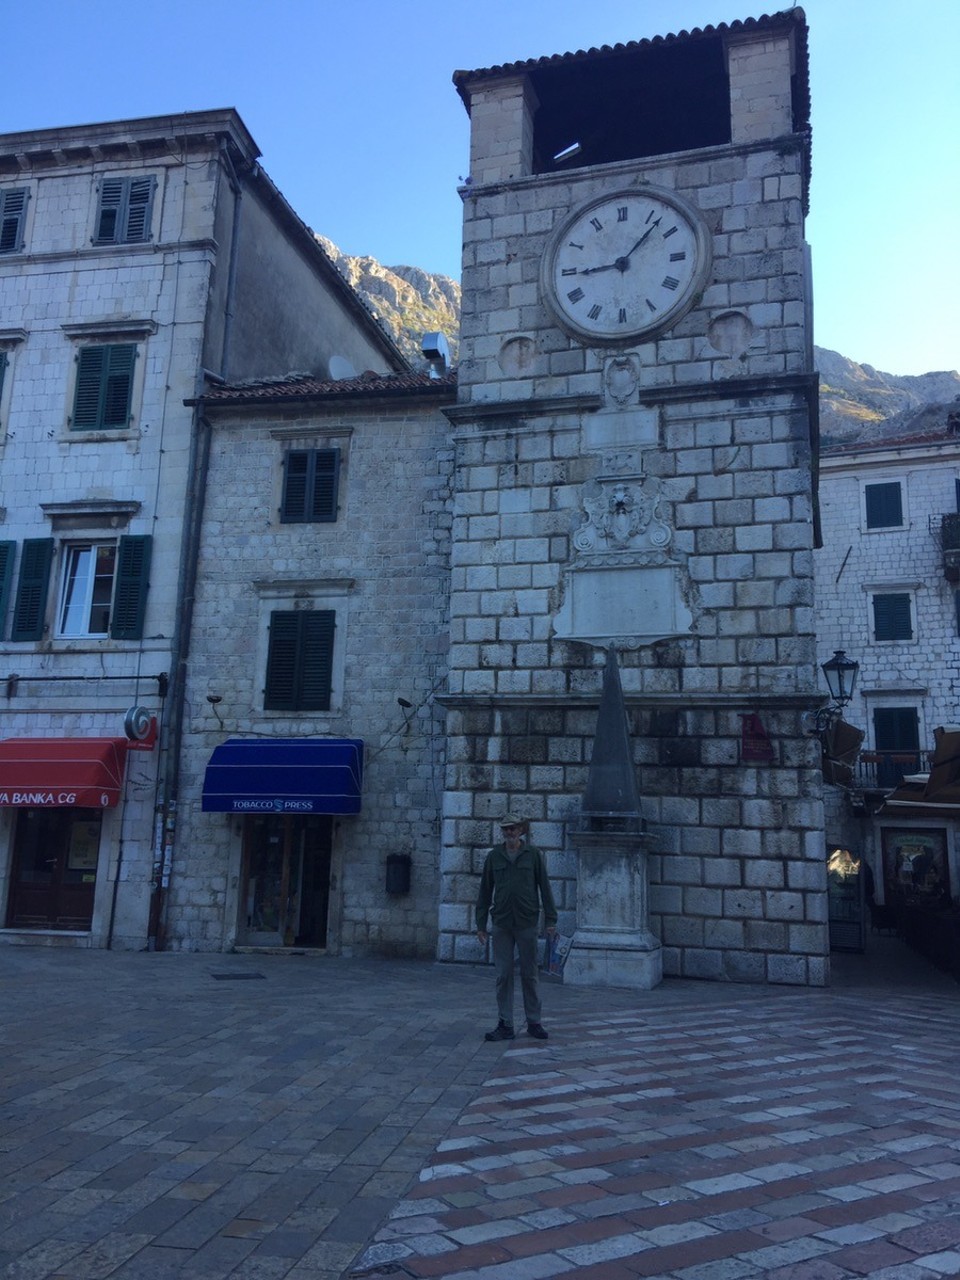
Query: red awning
<point x="52" y="773"/>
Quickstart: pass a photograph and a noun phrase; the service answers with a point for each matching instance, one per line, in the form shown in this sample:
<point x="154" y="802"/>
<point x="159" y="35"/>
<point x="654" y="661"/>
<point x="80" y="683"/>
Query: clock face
<point x="626" y="265"/>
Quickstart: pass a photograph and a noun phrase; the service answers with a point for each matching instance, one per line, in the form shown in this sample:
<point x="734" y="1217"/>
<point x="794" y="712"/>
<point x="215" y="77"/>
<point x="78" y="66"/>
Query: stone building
<point x="137" y="258"/>
<point x="313" y="747"/>
<point x="635" y="444"/>
<point x="888" y="594"/>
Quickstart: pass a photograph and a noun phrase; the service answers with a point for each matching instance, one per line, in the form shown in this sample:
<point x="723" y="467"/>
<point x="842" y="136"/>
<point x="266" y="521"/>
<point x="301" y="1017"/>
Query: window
<point x="310" y="483"/>
<point x="13" y="212"/>
<point x="103" y="589"/>
<point x="884" y="505"/>
<point x="104" y="386"/>
<point x="892" y="616"/>
<point x="300" y="660"/>
<point x="896" y="733"/>
<point x="123" y="214"/>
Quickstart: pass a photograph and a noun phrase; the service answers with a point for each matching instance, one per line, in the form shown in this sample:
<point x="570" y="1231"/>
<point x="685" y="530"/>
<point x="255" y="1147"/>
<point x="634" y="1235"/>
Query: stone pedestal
<point x="613" y="945"/>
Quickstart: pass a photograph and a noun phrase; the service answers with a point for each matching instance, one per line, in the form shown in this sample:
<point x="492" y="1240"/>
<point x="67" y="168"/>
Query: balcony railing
<point x="946" y="529"/>
<point x="884" y="770"/>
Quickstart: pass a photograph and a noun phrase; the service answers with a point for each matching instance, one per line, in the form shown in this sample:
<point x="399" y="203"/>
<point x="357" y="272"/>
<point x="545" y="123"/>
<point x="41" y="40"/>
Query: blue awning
<point x="284" y="775"/>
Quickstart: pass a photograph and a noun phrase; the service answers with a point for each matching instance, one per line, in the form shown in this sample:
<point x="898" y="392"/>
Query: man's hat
<point x="512" y="820"/>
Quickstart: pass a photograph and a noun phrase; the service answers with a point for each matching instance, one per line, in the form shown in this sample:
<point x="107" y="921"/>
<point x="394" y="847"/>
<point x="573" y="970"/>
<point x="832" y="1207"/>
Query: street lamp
<point x="841" y="673"/>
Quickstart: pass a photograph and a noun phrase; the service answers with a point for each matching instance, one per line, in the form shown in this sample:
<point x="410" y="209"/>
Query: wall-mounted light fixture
<point x="841" y="675"/>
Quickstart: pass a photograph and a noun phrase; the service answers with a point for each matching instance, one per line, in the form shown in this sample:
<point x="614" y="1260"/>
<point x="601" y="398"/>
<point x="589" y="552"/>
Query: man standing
<point x="513" y="884"/>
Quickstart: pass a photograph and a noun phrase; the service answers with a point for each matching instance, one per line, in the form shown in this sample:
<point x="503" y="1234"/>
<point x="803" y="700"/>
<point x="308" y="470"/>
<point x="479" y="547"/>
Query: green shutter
<point x="8" y="551"/>
<point x="884" y="504"/>
<point x="891" y="616"/>
<point x="130" y="588"/>
<point x="109" y="213"/>
<point x="300" y="661"/>
<point x="139" y="201"/>
<point x="296" y="468"/>
<point x="13" y="207"/>
<point x="326" y="473"/>
<point x="316" y="670"/>
<point x="310" y="483"/>
<point x="282" y="662"/>
<point x="896" y="729"/>
<point x="32" y="585"/>
<point x="104" y="386"/>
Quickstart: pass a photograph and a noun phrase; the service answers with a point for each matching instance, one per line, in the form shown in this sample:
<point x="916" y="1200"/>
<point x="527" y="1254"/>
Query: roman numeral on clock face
<point x="622" y="317"/>
<point x="669" y="282"/>
<point x="672" y="231"/>
<point x="678" y="257"/>
<point x="569" y="271"/>
<point x="596" y="224"/>
<point x="575" y="295"/>
<point x="594" y="312"/>
<point x="622" y="213"/>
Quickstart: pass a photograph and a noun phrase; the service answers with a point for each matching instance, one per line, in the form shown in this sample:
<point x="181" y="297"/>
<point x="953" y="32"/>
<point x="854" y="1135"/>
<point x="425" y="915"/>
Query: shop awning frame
<point x="284" y="776"/>
<point x="57" y="773"/>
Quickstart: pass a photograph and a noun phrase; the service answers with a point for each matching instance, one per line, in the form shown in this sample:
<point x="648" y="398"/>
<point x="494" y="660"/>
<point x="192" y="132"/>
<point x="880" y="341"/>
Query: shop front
<point x="58" y="789"/>
<point x="287" y="794"/>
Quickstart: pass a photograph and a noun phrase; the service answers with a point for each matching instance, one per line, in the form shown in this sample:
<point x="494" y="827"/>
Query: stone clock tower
<point x="635" y="458"/>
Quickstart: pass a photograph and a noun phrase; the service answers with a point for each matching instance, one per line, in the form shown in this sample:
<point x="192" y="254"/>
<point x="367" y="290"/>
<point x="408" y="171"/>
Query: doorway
<point x="54" y="873"/>
<point x="285" y="889"/>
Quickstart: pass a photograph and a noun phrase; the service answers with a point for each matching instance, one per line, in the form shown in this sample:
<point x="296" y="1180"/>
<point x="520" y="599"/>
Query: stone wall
<point x="382" y="566"/>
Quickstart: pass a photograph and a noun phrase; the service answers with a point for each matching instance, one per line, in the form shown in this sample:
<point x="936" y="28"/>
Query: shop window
<point x="103" y="589"/>
<point x="884" y="505"/>
<point x="892" y="616"/>
<point x="310" y="484"/>
<point x="300" y="660"/>
<point x="13" y="216"/>
<point x="123" y="211"/>
<point x="103" y="395"/>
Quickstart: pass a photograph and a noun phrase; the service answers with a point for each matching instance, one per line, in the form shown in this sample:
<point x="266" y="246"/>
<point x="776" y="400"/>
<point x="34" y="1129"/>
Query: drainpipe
<point x="165" y="830"/>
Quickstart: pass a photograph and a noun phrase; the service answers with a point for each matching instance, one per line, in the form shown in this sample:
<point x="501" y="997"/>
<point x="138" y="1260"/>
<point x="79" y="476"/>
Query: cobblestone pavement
<point x="268" y="1117"/>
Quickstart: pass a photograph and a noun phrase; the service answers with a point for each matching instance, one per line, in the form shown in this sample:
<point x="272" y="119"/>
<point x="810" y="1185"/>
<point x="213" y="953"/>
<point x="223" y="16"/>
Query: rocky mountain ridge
<point x="857" y="401"/>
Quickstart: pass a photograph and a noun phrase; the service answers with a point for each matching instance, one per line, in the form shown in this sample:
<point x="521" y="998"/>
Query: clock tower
<point x="635" y="440"/>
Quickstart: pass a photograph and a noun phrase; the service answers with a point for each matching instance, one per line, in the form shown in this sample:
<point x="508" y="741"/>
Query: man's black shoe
<point x="537" y="1030"/>
<point x="502" y="1031"/>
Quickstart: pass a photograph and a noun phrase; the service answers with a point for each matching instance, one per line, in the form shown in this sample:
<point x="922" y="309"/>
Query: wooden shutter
<point x="891" y="617"/>
<point x="326" y="474"/>
<point x="884" y="505"/>
<point x="296" y="472"/>
<point x="896" y="729"/>
<point x="300" y="661"/>
<point x="139" y="202"/>
<point x="8" y="551"/>
<point x="130" y="588"/>
<point x="110" y="211"/>
<point x="310" y="483"/>
<point x="32" y="587"/>
<point x="282" y="662"/>
<point x="104" y="385"/>
<point x="13" y="206"/>
<point x="316" y="672"/>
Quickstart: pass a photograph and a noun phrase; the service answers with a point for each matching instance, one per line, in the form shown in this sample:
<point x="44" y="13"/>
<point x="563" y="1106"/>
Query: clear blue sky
<point x="352" y="105"/>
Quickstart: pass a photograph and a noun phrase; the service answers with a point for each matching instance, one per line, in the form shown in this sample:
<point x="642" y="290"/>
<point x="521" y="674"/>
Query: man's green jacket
<point x="515" y="890"/>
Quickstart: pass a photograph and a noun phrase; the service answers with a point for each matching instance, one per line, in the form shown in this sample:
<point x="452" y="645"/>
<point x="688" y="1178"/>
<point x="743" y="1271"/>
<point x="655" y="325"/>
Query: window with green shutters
<point x="310" y="483"/>
<point x="884" y="505"/>
<point x="13" y="215"/>
<point x="892" y="616"/>
<point x="123" y="211"/>
<point x="103" y="588"/>
<point x="104" y="386"/>
<point x="300" y="660"/>
<point x="33" y="580"/>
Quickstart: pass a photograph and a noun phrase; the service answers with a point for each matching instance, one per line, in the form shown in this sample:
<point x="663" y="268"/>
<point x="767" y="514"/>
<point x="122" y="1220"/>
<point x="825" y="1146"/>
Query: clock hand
<point x="589" y="271"/>
<point x="648" y="232"/>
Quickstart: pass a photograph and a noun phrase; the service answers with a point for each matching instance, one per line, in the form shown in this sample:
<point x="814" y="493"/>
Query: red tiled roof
<point x="305" y="386"/>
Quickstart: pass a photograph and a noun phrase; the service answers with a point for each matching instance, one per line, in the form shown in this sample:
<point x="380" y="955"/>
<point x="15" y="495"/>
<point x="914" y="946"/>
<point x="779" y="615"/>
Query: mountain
<point x="408" y="301"/>
<point x="859" y="402"/>
<point x="856" y="400"/>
